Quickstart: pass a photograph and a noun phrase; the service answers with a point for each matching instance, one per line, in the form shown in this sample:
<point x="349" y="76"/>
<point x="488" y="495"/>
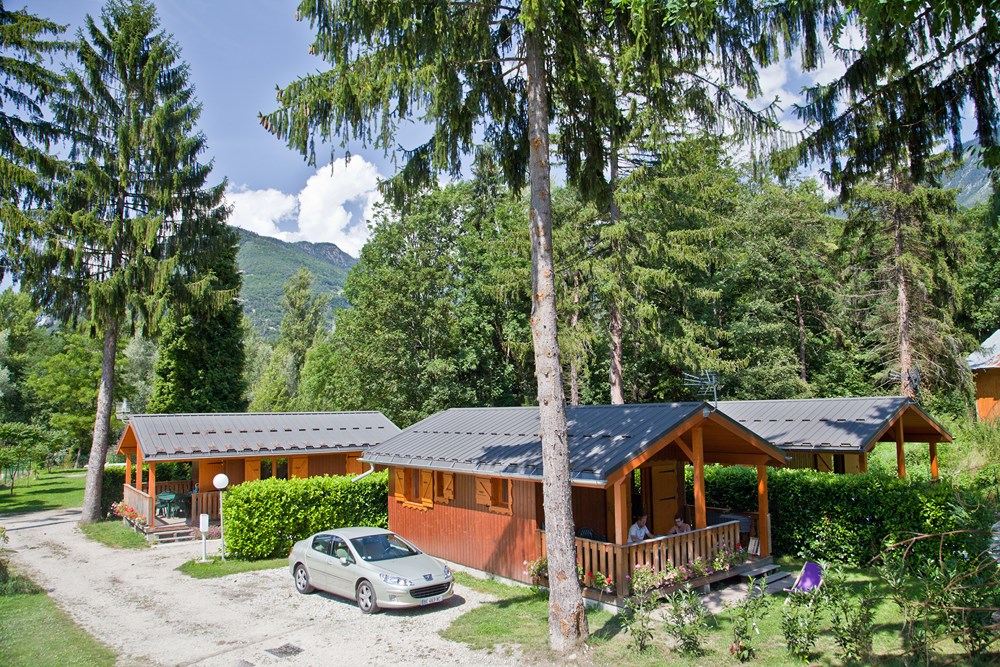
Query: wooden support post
<point x="152" y="494"/>
<point x="763" y="525"/>
<point x="698" y="449"/>
<point x="863" y="462"/>
<point x="900" y="455"/>
<point x="622" y="518"/>
<point x="934" y="458"/>
<point x="138" y="470"/>
<point x="128" y="470"/>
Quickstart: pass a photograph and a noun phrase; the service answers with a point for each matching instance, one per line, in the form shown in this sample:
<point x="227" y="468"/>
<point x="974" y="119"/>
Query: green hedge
<point x="846" y="518"/>
<point x="263" y="519"/>
<point x="112" y="486"/>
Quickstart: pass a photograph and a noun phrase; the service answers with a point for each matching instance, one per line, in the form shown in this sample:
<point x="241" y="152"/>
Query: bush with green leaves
<point x="746" y="615"/>
<point x="846" y="518"/>
<point x="264" y="518"/>
<point x="800" y="621"/>
<point x="686" y="621"/>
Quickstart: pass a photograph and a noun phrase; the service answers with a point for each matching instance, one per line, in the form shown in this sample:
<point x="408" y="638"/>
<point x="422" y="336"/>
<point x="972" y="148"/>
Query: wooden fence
<point x="619" y="561"/>
<point x="205" y="502"/>
<point x="140" y="502"/>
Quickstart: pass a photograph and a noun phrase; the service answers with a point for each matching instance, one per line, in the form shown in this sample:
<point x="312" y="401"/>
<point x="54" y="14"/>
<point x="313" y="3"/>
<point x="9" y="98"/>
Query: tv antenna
<point x="706" y="384"/>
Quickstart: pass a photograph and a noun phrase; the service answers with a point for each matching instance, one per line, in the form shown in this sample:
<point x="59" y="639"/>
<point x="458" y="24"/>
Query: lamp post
<point x="123" y="412"/>
<point x="220" y="482"/>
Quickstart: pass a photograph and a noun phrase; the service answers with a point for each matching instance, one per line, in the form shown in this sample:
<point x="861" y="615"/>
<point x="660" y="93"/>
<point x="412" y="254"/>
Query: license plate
<point x="431" y="600"/>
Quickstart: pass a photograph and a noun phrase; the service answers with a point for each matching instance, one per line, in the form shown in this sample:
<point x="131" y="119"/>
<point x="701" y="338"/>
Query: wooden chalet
<point x="837" y="434"/>
<point x="985" y="366"/>
<point x="466" y="484"/>
<point x="306" y="443"/>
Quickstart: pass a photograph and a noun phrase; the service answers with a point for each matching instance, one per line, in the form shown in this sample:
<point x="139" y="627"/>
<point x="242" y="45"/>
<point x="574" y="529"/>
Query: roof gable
<point x="988" y="354"/>
<point x="186" y="437"/>
<point x="833" y="424"/>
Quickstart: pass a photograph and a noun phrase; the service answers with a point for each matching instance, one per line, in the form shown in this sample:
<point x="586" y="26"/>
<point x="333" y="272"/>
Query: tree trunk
<point x="102" y="428"/>
<point x="567" y="620"/>
<point x="802" y="338"/>
<point x="614" y="313"/>
<point x="574" y="360"/>
<point x="902" y="311"/>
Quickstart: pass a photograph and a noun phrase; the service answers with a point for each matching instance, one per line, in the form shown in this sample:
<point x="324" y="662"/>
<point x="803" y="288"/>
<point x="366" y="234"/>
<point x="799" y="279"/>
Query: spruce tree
<point x="26" y="84"/>
<point x="114" y="247"/>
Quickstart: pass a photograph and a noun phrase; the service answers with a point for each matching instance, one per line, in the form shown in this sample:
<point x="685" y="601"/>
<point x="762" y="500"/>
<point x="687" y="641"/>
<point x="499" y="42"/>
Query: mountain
<point x="971" y="180"/>
<point x="267" y="263"/>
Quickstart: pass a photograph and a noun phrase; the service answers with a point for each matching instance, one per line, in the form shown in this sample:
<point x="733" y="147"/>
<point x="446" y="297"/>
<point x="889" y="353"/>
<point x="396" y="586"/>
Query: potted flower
<point x="603" y="582"/>
<point x="537" y="570"/>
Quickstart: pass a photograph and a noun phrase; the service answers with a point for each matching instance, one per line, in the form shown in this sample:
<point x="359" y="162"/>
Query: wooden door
<point x="663" y="488"/>
<point x="251" y="470"/>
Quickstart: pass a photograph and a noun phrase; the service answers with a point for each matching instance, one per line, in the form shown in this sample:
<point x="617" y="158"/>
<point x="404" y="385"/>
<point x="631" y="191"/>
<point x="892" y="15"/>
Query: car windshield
<point x="382" y="547"/>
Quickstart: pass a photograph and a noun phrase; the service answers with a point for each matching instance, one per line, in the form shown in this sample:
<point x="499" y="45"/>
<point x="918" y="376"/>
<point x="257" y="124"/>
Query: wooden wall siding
<point x="327" y="464"/>
<point x="988" y="394"/>
<point x="469" y="534"/>
<point x="207" y="470"/>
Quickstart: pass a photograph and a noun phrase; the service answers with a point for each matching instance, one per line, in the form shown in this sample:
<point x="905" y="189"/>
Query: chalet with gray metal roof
<point x="836" y="434"/>
<point x="466" y="484"/>
<point x="244" y="447"/>
<point x="985" y="366"/>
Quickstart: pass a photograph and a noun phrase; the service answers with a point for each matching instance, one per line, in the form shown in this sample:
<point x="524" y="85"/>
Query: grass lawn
<point x="217" y="568"/>
<point x="50" y="490"/>
<point x="519" y="617"/>
<point x="34" y="632"/>
<point x="115" y="534"/>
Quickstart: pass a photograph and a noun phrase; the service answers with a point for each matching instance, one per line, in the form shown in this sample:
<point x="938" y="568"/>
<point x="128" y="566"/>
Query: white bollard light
<point x="203" y="527"/>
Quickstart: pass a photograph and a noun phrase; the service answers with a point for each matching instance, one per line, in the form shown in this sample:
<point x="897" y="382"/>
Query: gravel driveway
<point x="138" y="604"/>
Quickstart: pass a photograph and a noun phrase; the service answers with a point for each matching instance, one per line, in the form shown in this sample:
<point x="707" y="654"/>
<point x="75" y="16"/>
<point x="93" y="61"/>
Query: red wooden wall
<point x="469" y="534"/>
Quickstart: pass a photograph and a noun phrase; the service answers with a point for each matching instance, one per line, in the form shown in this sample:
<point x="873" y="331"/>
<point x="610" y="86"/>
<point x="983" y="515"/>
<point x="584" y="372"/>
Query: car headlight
<point x="394" y="581"/>
<point x="447" y="572"/>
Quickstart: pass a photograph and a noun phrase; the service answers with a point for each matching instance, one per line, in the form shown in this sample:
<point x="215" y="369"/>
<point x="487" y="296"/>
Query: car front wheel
<point x="302" y="584"/>
<point x="367" y="602"/>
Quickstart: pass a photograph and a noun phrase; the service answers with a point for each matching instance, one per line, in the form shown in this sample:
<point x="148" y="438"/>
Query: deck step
<point x="168" y="536"/>
<point x="760" y="571"/>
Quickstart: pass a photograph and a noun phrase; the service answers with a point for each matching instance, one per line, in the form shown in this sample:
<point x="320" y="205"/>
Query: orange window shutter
<point x="427" y="487"/>
<point x="448" y="486"/>
<point x="484" y="491"/>
<point x="399" y="483"/>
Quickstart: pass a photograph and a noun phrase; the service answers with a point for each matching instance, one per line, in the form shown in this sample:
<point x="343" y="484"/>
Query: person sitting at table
<point x="639" y="532"/>
<point x="680" y="526"/>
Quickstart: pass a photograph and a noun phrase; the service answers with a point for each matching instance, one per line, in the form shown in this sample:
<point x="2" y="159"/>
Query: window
<point x="414" y="488"/>
<point x="444" y="487"/>
<point x="321" y="543"/>
<point x="495" y="493"/>
<point x="340" y="549"/>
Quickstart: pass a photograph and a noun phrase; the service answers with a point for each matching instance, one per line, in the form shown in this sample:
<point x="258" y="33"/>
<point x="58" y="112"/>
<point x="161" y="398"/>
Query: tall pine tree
<point x="113" y="247"/>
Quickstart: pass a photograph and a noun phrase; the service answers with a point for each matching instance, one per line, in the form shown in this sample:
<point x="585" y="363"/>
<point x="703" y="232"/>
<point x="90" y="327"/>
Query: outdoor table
<point x="168" y="500"/>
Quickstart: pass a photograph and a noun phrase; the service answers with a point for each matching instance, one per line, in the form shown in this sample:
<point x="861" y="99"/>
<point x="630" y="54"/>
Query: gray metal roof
<point x="988" y="354"/>
<point x="832" y="424"/>
<point x="186" y="437"/>
<point x="505" y="441"/>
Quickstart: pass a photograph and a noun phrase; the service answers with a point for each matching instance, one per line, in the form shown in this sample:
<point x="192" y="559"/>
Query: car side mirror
<point x="344" y="560"/>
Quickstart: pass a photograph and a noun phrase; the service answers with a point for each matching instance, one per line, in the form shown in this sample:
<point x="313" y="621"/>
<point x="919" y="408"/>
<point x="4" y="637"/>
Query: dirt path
<point x="138" y="604"/>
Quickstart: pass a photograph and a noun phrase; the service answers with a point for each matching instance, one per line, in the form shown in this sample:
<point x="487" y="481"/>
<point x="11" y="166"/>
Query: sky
<point x="238" y="52"/>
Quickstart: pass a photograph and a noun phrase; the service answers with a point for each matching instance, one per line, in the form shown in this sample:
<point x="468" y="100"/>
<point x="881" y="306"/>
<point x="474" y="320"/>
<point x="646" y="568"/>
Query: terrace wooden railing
<point x="204" y="502"/>
<point x="619" y="561"/>
<point x="140" y="502"/>
<point x="178" y="486"/>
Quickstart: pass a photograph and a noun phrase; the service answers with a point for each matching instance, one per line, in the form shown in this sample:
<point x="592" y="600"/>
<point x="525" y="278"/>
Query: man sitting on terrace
<point x="639" y="532"/>
<point x="680" y="526"/>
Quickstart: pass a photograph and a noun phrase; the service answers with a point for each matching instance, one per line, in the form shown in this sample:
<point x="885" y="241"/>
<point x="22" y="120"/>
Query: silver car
<point x="374" y="566"/>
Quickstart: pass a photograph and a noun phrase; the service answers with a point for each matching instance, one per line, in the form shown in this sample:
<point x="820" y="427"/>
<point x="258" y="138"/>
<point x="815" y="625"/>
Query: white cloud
<point x="332" y="207"/>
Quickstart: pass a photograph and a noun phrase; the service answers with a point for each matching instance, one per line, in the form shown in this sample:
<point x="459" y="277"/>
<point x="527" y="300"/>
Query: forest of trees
<point x="659" y="254"/>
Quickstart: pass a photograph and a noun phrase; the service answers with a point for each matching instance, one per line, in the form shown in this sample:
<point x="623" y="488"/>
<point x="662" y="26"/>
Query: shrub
<point x="846" y="518"/>
<point x="686" y="621"/>
<point x="800" y="619"/>
<point x="264" y="518"/>
<point x="746" y="615"/>
<point x="637" y="618"/>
